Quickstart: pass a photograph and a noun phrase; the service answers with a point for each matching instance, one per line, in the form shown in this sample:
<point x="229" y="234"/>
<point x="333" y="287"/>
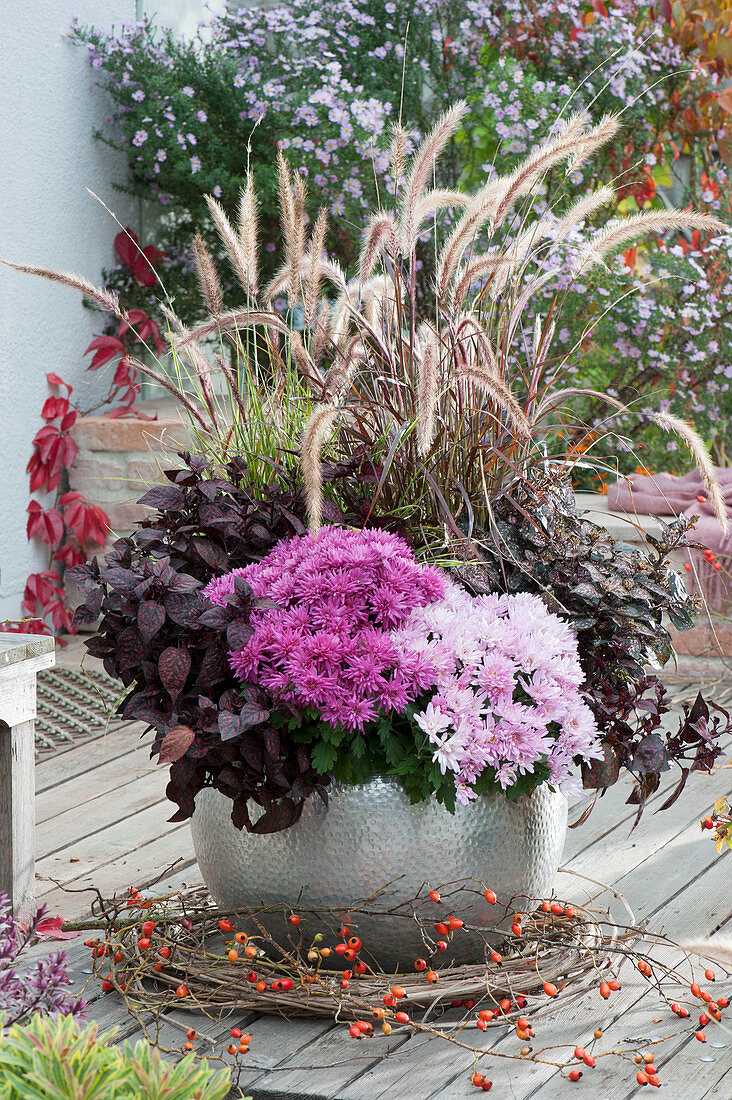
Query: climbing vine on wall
<point x="68" y="525"/>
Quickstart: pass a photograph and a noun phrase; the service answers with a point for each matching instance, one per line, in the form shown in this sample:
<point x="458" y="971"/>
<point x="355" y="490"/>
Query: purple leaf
<point x="183" y="582"/>
<point x="650" y="755"/>
<point x="240" y="814"/>
<point x="264" y="603"/>
<point x="198" y="750"/>
<point x="676" y="791"/>
<point x="122" y="580"/>
<point x="150" y="617"/>
<point x="280" y="815"/>
<point x="271" y="742"/>
<point x="130" y="648"/>
<point x="213" y="555"/>
<point x="229" y="700"/>
<point x="604" y="772"/>
<point x="143" y="709"/>
<point x="214" y="617"/>
<point x="175" y="744"/>
<point x="89" y="612"/>
<point x="259" y="534"/>
<point x="228" y="726"/>
<point x="238" y="634"/>
<point x="213" y="667"/>
<point x="183" y="607"/>
<point x="164" y="497"/>
<point x="242" y="588"/>
<point x="331" y="512"/>
<point x="251" y="753"/>
<point x="173" y="667"/>
<point x="252" y="715"/>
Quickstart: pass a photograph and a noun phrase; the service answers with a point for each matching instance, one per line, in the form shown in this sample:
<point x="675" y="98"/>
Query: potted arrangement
<point x="398" y="649"/>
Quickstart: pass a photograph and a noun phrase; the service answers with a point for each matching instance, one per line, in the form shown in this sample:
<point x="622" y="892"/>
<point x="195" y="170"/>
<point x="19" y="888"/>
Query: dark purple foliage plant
<point x="168" y="645"/>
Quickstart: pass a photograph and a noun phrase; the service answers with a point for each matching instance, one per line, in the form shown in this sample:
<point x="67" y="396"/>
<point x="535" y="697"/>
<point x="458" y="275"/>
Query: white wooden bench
<point x="22" y="656"/>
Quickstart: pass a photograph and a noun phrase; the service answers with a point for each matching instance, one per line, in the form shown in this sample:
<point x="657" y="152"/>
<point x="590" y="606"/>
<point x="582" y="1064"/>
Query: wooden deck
<point x="101" y="821"/>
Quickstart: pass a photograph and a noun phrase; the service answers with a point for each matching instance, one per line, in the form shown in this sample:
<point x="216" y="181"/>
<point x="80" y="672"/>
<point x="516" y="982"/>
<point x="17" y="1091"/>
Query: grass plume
<point x="107" y="299"/>
<point x="691" y="438"/>
<point x="441" y="387"/>
<point x="316" y="431"/>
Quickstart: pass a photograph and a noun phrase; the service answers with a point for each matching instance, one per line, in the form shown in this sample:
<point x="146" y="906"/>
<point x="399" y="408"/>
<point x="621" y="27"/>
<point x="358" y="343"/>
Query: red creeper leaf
<point x="47" y="525"/>
<point x="104" y="348"/>
<point x="125" y="245"/>
<point x="54" y="380"/>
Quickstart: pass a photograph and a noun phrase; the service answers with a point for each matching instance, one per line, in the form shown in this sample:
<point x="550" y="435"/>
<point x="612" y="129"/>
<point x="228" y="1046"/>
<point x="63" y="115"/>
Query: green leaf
<point x="323" y="757"/>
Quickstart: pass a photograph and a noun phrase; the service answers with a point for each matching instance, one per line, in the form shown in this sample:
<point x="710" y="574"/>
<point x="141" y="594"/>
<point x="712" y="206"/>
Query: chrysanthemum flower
<point x="360" y="630"/>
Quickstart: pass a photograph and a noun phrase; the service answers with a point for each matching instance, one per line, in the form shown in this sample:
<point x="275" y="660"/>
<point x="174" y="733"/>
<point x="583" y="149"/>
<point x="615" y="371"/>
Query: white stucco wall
<point x="185" y="15"/>
<point x="49" y="111"/>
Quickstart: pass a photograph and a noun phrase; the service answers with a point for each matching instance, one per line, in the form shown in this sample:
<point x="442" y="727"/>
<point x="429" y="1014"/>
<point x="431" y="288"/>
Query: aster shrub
<point x="383" y="666"/>
<point x="653" y="322"/>
<point x="323" y="81"/>
<point x="622" y="58"/>
<point x="650" y="328"/>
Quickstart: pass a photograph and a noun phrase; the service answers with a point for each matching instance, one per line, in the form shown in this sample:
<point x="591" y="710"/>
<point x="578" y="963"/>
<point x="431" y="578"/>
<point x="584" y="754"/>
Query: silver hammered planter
<point x="369" y="839"/>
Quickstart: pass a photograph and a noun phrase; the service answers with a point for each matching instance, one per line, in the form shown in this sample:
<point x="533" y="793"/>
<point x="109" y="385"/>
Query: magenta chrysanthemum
<point x="328" y="644"/>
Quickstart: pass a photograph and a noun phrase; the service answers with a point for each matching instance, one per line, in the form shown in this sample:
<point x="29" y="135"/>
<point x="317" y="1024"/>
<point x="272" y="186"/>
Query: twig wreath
<point x="181" y="951"/>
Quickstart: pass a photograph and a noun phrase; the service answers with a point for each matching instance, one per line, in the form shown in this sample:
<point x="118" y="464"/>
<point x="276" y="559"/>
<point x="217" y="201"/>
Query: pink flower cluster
<point x="361" y="630"/>
<point x="328" y="644"/>
<point x="507" y="689"/>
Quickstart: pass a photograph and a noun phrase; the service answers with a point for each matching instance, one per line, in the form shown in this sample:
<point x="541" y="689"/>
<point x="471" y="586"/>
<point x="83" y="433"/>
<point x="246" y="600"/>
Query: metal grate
<point x="73" y="705"/>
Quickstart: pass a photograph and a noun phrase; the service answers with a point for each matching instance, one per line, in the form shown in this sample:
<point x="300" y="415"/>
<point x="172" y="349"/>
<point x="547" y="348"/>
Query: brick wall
<point x="706" y="639"/>
<point x="119" y="459"/>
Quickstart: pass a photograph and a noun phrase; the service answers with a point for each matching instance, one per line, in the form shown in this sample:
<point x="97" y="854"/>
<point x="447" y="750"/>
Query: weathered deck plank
<point x="113" y="867"/>
<point x="99" y="814"/>
<point x="110" y="775"/>
<point x="657" y="838"/>
<point x="611" y="815"/>
<point x="53" y="771"/>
